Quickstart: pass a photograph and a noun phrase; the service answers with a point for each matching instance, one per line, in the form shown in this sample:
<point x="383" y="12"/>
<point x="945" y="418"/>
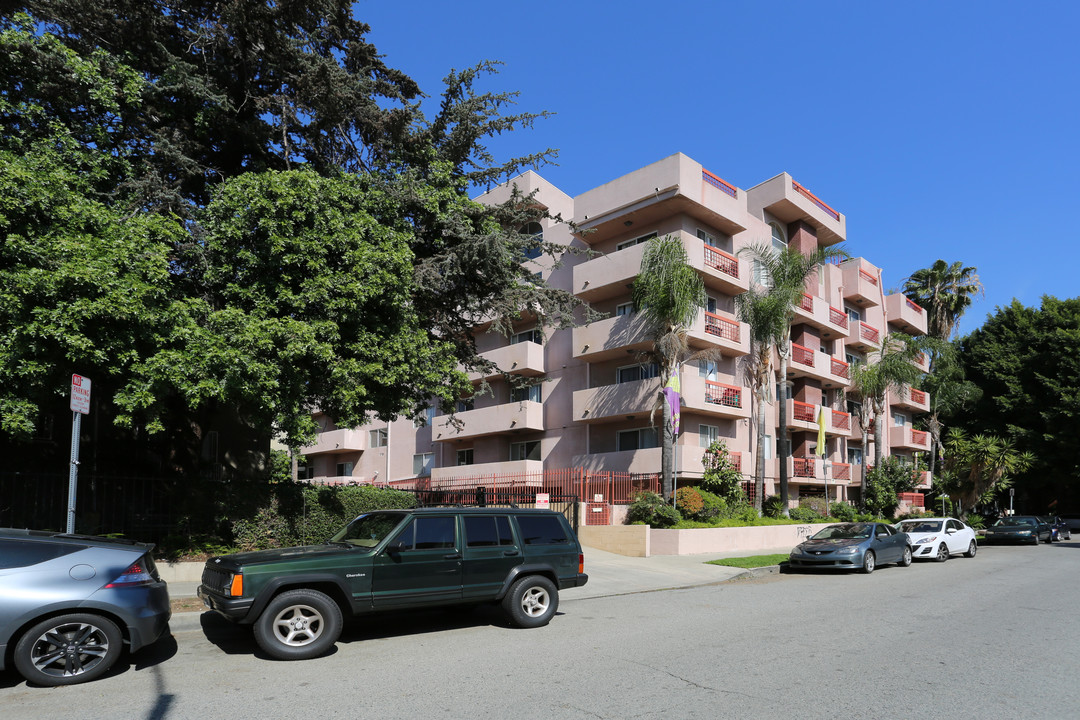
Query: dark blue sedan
<point x="853" y="546"/>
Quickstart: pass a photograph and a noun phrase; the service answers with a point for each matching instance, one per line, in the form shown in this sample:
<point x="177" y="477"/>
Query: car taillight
<point x="580" y="563"/>
<point x="138" y="573"/>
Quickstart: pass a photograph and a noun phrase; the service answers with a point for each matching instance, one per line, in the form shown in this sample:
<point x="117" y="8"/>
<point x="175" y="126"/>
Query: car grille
<point x="216" y="580"/>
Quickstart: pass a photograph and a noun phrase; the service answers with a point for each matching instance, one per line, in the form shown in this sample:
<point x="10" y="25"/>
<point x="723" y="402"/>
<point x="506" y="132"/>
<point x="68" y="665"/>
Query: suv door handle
<point x="452" y="556"/>
<point x="510" y="552"/>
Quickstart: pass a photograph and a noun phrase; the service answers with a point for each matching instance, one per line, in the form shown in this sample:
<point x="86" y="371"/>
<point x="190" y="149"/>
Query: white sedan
<point x="938" y="538"/>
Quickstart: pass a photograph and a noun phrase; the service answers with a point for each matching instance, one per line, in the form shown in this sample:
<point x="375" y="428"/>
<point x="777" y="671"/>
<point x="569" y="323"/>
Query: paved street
<point x="992" y="637"/>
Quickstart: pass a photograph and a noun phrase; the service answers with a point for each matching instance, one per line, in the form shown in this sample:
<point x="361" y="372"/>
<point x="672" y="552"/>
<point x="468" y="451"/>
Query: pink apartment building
<point x="592" y="410"/>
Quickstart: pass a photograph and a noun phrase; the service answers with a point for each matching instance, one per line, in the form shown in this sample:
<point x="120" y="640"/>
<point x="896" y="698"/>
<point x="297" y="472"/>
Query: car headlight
<point x="923" y="541"/>
<point x="847" y="551"/>
<point x="1025" y="532"/>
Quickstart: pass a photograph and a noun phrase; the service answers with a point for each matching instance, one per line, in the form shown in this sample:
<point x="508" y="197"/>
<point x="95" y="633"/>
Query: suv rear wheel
<point x="68" y="649"/>
<point x="298" y="624"/>
<point x="531" y="601"/>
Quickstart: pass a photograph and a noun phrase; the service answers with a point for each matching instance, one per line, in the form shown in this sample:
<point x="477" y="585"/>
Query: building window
<point x="532" y="336"/>
<point x="465" y="405"/>
<point x="899" y="420"/>
<point x="708" y="369"/>
<point x="344" y="469"/>
<point x="465" y="457"/>
<point x="708" y="434"/>
<point x="624" y="309"/>
<point x="854" y="456"/>
<point x="640" y="439"/>
<point x="706" y="238"/>
<point x="532" y="247"/>
<point x="377" y="438"/>
<point x="422" y="463"/>
<point x="529" y="450"/>
<point x="853" y="358"/>
<point x="631" y="373"/>
<point x="761" y="275"/>
<point x="854" y="316"/>
<point x="768" y="447"/>
<point x="779" y="240"/>
<point x="636" y="241"/>
<point x="521" y="394"/>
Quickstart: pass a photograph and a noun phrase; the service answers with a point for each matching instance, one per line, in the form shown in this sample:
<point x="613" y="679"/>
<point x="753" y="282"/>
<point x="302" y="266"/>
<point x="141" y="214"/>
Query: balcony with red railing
<point x="922" y="361"/>
<point x="864" y="337"/>
<point x="789" y="201"/>
<point x="904" y="314"/>
<point x="903" y="437"/>
<point x="815" y="312"/>
<point x="840" y="422"/>
<point x="713" y="398"/>
<point x="910" y="398"/>
<point x="722" y="261"/>
<point x="803" y="467"/>
<point x="719" y="331"/>
<point x="809" y="363"/>
<point x="860" y="281"/>
<point x="841" y="472"/>
<point x="803" y="412"/>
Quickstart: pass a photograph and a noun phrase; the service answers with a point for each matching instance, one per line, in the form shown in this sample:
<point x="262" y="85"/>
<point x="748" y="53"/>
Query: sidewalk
<point x="609" y="574"/>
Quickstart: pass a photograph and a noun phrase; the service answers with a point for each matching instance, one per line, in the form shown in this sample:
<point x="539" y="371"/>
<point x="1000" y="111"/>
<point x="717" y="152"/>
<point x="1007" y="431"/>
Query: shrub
<point x="689" y="502"/>
<point x="772" y="506"/>
<point x="713" y="506"/>
<point x="817" y="504"/>
<point x="744" y="512"/>
<point x="649" y="508"/>
<point x="804" y="513"/>
<point x="842" y="511"/>
<point x="665" y="517"/>
<point x="720" y="476"/>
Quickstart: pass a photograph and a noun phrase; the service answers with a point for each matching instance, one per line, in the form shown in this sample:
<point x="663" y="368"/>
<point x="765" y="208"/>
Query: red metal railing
<point x="802" y="467"/>
<point x="869" y="333"/>
<point x="612" y="487"/>
<point x="721" y="326"/>
<point x="802" y="355"/>
<point x="803" y="412"/>
<point x="841" y="471"/>
<point x="806" y="302"/>
<point x="718" y="183"/>
<point x="841" y="420"/>
<point x="918" y="437"/>
<point x="839" y="368"/>
<point x="917" y="396"/>
<point x="736" y="460"/>
<point x="717" y="258"/>
<point x="912" y="499"/>
<point x="914" y="305"/>
<point x="721" y="394"/>
<point x="814" y="199"/>
<point x="867" y="277"/>
<point x="837" y="317"/>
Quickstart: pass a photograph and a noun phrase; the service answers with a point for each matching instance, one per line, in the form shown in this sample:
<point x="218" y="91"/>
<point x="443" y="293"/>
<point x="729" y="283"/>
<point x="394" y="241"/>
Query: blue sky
<point x="940" y="129"/>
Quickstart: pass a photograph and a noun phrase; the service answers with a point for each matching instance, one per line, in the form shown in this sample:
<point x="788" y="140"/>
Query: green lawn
<point x="753" y="561"/>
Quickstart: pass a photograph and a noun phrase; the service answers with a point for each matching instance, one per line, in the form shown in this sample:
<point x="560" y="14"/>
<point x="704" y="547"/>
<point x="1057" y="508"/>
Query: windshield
<point x="1010" y="522"/>
<point x="921" y="526"/>
<point x="368" y="530"/>
<point x="854" y="531"/>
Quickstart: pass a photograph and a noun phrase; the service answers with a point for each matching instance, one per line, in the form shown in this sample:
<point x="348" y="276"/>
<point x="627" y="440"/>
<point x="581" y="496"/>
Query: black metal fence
<point x="499" y="497"/>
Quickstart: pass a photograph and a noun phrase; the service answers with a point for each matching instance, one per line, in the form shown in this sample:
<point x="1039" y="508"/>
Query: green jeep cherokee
<point x="395" y="559"/>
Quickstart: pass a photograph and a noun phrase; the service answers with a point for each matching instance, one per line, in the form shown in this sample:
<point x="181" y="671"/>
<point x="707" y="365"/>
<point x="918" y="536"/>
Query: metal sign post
<point x="80" y="405"/>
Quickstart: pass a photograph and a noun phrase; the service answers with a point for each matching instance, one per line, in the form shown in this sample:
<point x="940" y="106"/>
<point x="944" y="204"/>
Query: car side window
<point x="488" y="531"/>
<point x="884" y="531"/>
<point x="426" y="533"/>
<point x="954" y="525"/>
<point x="20" y="553"/>
<point x="542" y="530"/>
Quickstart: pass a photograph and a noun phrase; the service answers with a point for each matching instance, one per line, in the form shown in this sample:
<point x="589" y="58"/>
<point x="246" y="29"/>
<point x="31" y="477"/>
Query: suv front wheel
<point x="298" y="624"/>
<point x="531" y="601"/>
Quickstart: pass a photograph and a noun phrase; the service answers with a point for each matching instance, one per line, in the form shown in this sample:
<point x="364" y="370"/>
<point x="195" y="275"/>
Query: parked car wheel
<point x="905" y="560"/>
<point x="68" y="649"/>
<point x="972" y="548"/>
<point x="869" y="562"/>
<point x="531" y="601"/>
<point x="942" y="553"/>
<point x="298" y="624"/>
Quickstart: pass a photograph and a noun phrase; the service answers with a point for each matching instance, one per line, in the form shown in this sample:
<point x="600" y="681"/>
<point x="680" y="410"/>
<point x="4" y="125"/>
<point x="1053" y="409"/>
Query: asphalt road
<point x="990" y="637"/>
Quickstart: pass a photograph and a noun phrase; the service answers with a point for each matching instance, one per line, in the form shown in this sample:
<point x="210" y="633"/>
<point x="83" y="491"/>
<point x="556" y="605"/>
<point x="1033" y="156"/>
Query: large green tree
<point x="165" y="114"/>
<point x="669" y="294"/>
<point x="770" y="310"/>
<point x="1025" y="361"/>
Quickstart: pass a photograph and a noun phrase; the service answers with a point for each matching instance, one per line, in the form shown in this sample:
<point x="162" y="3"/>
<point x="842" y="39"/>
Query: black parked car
<point x="1018" y="529"/>
<point x="69" y="603"/>
<point x="1059" y="528"/>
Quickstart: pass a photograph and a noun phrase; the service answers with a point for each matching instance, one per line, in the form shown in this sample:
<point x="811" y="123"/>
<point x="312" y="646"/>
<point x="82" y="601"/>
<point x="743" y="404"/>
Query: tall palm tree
<point x="669" y="293"/>
<point x="892" y="366"/>
<point x="980" y="465"/>
<point x="945" y="291"/>
<point x="785" y="274"/>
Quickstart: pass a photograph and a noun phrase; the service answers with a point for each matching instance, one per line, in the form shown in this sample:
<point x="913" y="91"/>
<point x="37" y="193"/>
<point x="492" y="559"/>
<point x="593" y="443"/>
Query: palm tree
<point x="769" y="311"/>
<point x="981" y="465"/>
<point x="892" y="366"/>
<point x="669" y="293"/>
<point x="945" y="292"/>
